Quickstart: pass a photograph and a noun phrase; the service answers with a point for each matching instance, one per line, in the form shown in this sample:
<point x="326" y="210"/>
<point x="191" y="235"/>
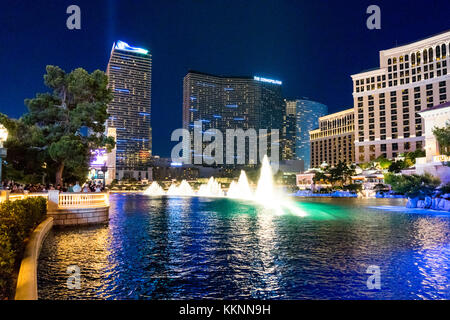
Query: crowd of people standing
<point x="90" y="186"/>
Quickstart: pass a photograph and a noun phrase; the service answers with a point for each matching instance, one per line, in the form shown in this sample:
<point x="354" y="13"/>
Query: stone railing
<point x="68" y="200"/>
<point x="70" y="208"/>
<point x="61" y="200"/>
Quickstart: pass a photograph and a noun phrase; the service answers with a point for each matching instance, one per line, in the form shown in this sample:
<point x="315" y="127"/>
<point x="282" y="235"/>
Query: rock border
<point x="26" y="288"/>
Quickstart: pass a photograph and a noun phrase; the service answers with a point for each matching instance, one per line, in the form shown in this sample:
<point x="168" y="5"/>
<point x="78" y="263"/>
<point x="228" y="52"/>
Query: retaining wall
<point x="26" y="288"/>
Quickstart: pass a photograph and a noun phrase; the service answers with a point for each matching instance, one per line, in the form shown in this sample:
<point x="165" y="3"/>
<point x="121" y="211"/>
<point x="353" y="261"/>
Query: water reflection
<point x="191" y="248"/>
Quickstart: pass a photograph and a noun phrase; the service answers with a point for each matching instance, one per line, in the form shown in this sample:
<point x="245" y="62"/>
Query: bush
<point x="445" y="188"/>
<point x="354" y="187"/>
<point x="381" y="187"/>
<point x="17" y="221"/>
<point x="413" y="185"/>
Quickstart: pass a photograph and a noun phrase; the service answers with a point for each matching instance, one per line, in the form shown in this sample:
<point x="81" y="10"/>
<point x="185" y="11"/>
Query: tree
<point x="412" y="185"/>
<point x="24" y="161"/>
<point x="397" y="166"/>
<point x="341" y="173"/>
<point x="383" y="163"/>
<point x="321" y="177"/>
<point x="78" y="101"/>
<point x="366" y="165"/>
<point x="443" y="138"/>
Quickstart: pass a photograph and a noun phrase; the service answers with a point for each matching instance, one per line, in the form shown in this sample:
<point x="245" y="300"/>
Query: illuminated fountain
<point x="241" y="189"/>
<point x="154" y="190"/>
<point x="184" y="189"/>
<point x="211" y="189"/>
<point x="265" y="193"/>
<point x="172" y="190"/>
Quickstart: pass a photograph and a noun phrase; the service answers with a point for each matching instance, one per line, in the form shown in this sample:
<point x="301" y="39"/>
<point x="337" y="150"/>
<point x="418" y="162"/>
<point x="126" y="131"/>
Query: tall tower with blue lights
<point x="130" y="78"/>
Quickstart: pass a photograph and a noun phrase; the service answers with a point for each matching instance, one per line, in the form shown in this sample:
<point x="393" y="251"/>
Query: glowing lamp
<point x="3" y="135"/>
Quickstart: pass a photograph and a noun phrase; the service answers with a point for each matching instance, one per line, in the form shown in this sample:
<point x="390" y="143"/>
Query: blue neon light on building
<point x="122" y="90"/>
<point x="278" y="82"/>
<point x="120" y="45"/>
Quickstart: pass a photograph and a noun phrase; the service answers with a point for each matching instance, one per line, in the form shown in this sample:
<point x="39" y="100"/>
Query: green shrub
<point x="6" y="264"/>
<point x="445" y="188"/>
<point x="17" y="221"/>
<point x="354" y="187"/>
<point x="413" y="185"/>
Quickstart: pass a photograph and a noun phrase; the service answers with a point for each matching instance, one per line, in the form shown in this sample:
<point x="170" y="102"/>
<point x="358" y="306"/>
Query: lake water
<point x="194" y="248"/>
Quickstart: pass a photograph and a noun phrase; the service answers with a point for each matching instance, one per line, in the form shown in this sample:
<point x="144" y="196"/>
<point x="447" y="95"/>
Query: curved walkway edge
<point x="27" y="280"/>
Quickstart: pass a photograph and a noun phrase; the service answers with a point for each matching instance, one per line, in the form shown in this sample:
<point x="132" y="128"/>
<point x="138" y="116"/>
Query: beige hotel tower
<point x="411" y="78"/>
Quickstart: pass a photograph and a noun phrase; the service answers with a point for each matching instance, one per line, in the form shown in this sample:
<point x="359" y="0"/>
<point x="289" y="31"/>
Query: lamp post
<point x="3" y="137"/>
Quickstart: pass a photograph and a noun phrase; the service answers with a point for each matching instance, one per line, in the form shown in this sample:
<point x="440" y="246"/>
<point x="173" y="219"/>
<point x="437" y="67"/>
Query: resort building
<point x="434" y="161"/>
<point x="333" y="141"/>
<point x="387" y="101"/>
<point x="129" y="72"/>
<point x="305" y="180"/>
<point x="232" y="102"/>
<point x="307" y="118"/>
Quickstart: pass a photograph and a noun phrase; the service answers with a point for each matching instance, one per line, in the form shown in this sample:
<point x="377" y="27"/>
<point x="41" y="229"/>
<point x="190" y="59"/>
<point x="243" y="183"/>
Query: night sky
<point x="312" y="46"/>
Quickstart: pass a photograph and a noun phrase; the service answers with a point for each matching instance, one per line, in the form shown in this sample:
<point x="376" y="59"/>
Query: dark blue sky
<point x="312" y="46"/>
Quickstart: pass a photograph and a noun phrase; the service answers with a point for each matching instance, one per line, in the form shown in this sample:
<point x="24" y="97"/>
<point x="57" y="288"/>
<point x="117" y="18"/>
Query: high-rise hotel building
<point x="232" y="102"/>
<point x="289" y="130"/>
<point x="130" y="77"/>
<point x="411" y="78"/>
<point x="307" y="114"/>
<point x="333" y="141"/>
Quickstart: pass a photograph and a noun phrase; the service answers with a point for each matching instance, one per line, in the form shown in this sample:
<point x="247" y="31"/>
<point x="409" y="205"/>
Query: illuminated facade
<point x="129" y="73"/>
<point x="222" y="103"/>
<point x="288" y="132"/>
<point x="333" y="142"/>
<point x="387" y="101"/>
<point x="435" y="158"/>
<point x="307" y="118"/>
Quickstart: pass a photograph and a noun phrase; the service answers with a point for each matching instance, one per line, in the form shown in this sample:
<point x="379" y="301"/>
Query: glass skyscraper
<point x="289" y="130"/>
<point x="231" y="102"/>
<point x="130" y="73"/>
<point x="307" y="117"/>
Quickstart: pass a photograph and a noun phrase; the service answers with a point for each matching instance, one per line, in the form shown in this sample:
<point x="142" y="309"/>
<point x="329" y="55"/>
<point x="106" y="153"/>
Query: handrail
<point x="77" y="199"/>
<point x="70" y="199"/>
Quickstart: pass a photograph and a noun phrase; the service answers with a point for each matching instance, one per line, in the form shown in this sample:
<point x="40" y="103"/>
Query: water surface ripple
<point x="192" y="248"/>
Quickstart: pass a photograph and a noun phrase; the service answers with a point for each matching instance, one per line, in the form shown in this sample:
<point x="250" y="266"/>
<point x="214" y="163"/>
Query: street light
<point x="3" y="137"/>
